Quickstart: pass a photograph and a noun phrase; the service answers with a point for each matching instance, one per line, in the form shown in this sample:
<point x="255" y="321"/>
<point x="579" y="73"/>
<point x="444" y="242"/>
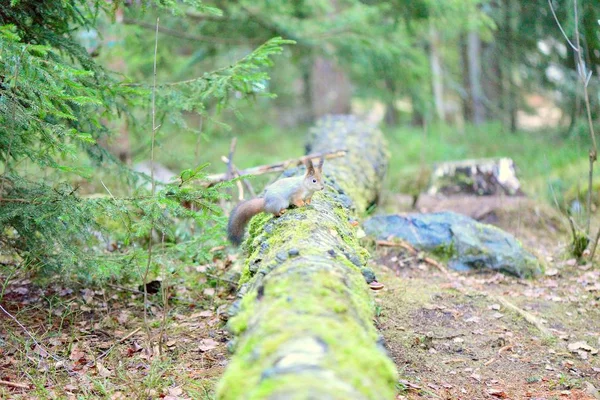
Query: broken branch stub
<point x="304" y="319"/>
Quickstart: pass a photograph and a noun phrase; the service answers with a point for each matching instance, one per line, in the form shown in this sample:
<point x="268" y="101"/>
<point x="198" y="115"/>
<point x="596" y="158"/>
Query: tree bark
<point x="331" y="91"/>
<point x="467" y="100"/>
<point x="437" y="81"/>
<point x="303" y="321"/>
<point x="475" y="88"/>
<point x="492" y="80"/>
<point x="510" y="88"/>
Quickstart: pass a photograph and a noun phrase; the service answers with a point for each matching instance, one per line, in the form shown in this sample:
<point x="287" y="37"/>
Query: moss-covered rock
<point x="304" y="318"/>
<point x="465" y="243"/>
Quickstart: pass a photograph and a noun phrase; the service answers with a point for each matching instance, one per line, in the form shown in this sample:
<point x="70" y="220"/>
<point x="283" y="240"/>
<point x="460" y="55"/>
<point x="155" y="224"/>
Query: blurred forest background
<point x="446" y="80"/>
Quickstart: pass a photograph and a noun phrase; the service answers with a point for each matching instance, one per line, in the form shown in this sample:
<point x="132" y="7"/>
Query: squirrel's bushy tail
<point x="240" y="216"/>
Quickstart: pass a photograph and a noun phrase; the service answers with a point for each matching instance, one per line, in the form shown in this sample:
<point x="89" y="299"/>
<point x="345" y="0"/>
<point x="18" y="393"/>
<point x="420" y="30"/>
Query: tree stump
<point x="303" y="323"/>
<point x="483" y="177"/>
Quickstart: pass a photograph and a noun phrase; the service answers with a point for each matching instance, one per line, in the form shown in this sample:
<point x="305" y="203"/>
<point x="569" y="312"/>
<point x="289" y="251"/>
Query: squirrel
<point x="278" y="197"/>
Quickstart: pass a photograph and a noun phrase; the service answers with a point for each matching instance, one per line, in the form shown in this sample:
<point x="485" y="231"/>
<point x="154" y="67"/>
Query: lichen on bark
<point x="304" y="320"/>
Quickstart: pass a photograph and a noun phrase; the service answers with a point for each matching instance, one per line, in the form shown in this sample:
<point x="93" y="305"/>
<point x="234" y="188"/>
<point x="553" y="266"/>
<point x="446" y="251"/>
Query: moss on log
<point x="304" y="321"/>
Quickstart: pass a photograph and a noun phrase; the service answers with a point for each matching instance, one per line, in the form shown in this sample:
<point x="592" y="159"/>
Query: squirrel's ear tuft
<point x="321" y="161"/>
<point x="310" y="168"/>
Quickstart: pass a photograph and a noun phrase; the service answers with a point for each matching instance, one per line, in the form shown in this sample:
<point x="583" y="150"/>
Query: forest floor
<point x="490" y="336"/>
<point x="451" y="335"/>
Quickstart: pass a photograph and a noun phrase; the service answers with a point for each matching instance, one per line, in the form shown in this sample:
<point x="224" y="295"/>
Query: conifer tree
<point x="56" y="106"/>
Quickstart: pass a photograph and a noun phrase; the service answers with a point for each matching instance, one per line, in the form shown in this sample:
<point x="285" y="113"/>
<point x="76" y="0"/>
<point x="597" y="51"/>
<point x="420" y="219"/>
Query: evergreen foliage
<point x="56" y="108"/>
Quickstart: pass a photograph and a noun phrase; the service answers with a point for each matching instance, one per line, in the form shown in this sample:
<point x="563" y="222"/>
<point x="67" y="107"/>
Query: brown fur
<point x="240" y="216"/>
<point x="278" y="199"/>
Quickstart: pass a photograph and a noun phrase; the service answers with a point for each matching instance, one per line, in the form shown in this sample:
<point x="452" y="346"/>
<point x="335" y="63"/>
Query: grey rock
<point x="464" y="242"/>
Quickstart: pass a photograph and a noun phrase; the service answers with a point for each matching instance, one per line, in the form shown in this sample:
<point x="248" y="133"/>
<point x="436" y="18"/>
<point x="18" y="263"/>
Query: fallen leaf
<point x="573" y="347"/>
<point x="207" y="344"/>
<point x="123" y="317"/>
<point x="88" y="295"/>
<point x="76" y="354"/>
<point x="40" y="350"/>
<point x="497" y="393"/>
<point x="70" y="388"/>
<point x="175" y="391"/>
<point x="102" y="370"/>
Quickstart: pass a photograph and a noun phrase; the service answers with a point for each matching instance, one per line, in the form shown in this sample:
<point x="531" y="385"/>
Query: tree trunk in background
<point x="120" y="146"/>
<point x="509" y="84"/>
<point x="304" y="324"/>
<point x="436" y="73"/>
<point x="474" y="71"/>
<point x="467" y="100"/>
<point x="391" y="112"/>
<point x="330" y="88"/>
<point x="307" y="95"/>
<point x="492" y="80"/>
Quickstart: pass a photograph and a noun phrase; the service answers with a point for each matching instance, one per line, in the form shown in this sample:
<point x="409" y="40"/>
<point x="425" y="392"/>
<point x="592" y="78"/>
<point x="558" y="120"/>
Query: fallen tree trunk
<point x="303" y="324"/>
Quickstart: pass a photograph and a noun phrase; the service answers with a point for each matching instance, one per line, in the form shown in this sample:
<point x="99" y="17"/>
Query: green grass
<point x="542" y="157"/>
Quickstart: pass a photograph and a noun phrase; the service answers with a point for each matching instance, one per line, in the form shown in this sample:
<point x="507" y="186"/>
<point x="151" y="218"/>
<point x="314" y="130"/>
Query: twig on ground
<point x="15" y="385"/>
<point x="412" y="250"/>
<point x="389" y="243"/>
<point x="275" y="167"/>
<point x="165" y="294"/>
<point x="111" y="348"/>
<point x="55" y="358"/>
<point x="532" y="319"/>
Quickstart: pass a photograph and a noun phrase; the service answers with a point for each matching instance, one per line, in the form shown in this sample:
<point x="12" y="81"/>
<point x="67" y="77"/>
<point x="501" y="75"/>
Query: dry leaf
<point x="123" y="317"/>
<point x="574" y="347"/>
<point x="102" y="370"/>
<point x="70" y="388"/>
<point x="76" y="354"/>
<point x="176" y="391"/>
<point x="497" y="393"/>
<point x="207" y="344"/>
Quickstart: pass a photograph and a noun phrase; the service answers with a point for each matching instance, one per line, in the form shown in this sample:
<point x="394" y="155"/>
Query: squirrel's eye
<point x="314" y="181"/>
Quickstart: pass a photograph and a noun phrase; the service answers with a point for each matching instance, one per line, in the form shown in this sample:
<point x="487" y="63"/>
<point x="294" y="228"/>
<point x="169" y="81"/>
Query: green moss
<point x="579" y="244"/>
<point x="317" y="293"/>
<point x="444" y="252"/>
